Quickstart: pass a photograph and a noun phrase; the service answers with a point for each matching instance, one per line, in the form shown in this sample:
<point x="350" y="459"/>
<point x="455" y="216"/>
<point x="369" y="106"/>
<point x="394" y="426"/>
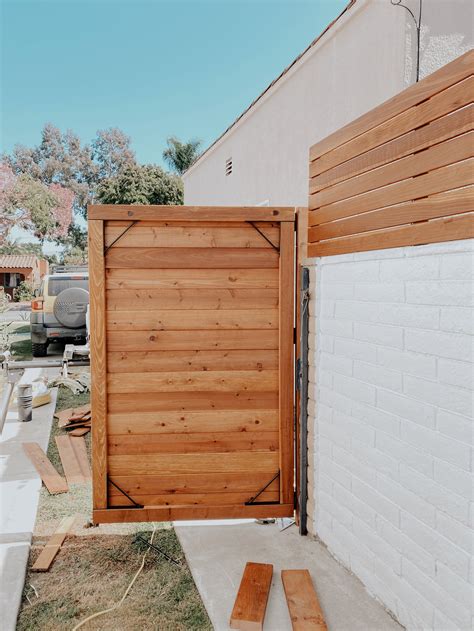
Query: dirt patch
<point x="96" y="564"/>
<point x="91" y="574"/>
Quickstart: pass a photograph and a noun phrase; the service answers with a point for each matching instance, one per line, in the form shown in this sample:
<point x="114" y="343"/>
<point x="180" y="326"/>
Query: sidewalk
<point x="217" y="553"/>
<point x="19" y="496"/>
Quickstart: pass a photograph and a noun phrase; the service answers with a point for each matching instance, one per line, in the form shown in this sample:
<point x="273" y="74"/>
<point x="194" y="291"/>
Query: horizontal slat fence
<point x="192" y="362"/>
<point x="402" y="174"/>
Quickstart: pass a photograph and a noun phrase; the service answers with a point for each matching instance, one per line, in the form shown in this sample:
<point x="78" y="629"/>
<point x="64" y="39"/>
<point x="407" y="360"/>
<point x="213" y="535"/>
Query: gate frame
<point x="287" y="217"/>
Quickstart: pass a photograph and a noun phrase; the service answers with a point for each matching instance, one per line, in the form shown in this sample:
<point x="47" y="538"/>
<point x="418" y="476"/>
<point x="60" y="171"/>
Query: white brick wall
<point x="390" y="425"/>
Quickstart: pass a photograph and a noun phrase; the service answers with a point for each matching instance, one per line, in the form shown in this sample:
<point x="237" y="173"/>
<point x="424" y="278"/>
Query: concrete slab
<point x="217" y="555"/>
<point x="19" y="496"/>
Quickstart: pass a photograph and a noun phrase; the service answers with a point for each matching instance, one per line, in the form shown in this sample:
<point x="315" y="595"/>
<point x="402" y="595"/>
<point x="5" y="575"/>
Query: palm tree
<point x="181" y="155"/>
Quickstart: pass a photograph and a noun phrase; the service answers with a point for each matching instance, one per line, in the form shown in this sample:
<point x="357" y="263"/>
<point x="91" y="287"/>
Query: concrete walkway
<point x="19" y="495"/>
<point x="217" y="553"/>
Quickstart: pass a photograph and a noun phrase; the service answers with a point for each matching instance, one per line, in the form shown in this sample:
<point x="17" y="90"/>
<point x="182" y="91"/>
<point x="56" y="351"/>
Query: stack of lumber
<point x="76" y="421"/>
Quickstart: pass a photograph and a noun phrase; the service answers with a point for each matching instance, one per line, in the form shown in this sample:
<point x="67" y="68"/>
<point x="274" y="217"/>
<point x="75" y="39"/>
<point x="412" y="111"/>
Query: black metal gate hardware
<point x="252" y="502"/>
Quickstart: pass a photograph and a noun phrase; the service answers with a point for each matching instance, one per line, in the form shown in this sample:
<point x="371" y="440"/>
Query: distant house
<point x="15" y="268"/>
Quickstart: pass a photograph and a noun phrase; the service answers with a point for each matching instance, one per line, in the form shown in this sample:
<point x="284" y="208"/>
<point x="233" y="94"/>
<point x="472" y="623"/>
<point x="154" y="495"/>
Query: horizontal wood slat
<point x="176" y="513"/>
<point x="225" y="278"/>
<point x="192" y="340"/>
<point x="169" y="464"/>
<point x="444" y="128"/>
<point x="402" y="174"/>
<point x="184" y="236"/>
<point x="123" y="299"/>
<point x="177" y="320"/>
<point x="204" y="442"/>
<point x="192" y="483"/>
<point x="190" y="401"/>
<point x="435" y="231"/>
<point x="162" y="361"/>
<point x="214" y="381"/>
<point x="203" y="499"/>
<point x="189" y="258"/>
<point x="215" y="421"/>
<point x="125" y="212"/>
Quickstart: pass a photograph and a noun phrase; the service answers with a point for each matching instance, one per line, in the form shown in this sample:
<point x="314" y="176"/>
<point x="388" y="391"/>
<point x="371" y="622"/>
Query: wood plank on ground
<point x="80" y="450"/>
<point x="51" y="549"/>
<point x="54" y="482"/>
<point x="71" y="465"/>
<point x="303" y="604"/>
<point x="250" y="604"/>
<point x="80" y="431"/>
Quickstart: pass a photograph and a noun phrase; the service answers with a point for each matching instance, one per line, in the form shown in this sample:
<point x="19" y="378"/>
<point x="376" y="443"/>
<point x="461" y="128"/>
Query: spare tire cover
<point x="70" y="307"/>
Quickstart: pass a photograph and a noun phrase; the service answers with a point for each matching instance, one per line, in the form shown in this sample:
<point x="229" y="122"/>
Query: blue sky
<point x="153" y="68"/>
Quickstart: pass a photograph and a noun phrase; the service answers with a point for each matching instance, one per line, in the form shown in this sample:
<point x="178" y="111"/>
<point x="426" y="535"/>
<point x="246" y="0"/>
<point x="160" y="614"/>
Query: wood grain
<point x="444" y="229"/>
<point x="51" y="549"/>
<point x="193" y="381"/>
<point x="178" y="513"/>
<point x="193" y="483"/>
<point x="192" y="401"/>
<point x="154" y="340"/>
<point x="98" y="346"/>
<point x="250" y="604"/>
<point x="184" y="299"/>
<point x="162" y="361"/>
<point x="169" y="464"/>
<point x="187" y="443"/>
<point x="225" y="278"/>
<point x="71" y="465"/>
<point x="444" y="128"/>
<point x="456" y="201"/>
<point x="184" y="236"/>
<point x="48" y="474"/>
<point x="190" y="213"/>
<point x="180" y="320"/>
<point x="303" y="604"/>
<point x="222" y="421"/>
<point x="286" y="348"/>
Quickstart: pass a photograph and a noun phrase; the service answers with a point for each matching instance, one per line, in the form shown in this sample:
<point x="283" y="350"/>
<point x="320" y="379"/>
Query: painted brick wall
<point x="390" y="405"/>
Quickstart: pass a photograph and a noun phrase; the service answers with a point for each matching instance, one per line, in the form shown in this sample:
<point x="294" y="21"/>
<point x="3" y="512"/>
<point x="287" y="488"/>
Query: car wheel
<point x="39" y="350"/>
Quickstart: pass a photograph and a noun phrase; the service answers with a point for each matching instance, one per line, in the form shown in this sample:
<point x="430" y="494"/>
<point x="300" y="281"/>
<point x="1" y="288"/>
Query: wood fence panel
<point x="401" y="174"/>
<point x="195" y="403"/>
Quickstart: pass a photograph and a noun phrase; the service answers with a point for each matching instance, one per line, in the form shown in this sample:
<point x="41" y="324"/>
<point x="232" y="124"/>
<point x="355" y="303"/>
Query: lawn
<point x="96" y="564"/>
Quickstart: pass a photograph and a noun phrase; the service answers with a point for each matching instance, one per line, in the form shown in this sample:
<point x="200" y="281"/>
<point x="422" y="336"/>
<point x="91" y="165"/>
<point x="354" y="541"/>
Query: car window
<point x="57" y="285"/>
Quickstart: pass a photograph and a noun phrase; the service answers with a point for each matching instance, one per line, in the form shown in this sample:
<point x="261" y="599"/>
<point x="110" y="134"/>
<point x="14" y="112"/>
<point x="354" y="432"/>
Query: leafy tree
<point x="61" y="159"/>
<point x="141" y="184"/>
<point x="44" y="210"/>
<point x="14" y="247"/>
<point x="111" y="153"/>
<point x="181" y="155"/>
<point x="75" y="250"/>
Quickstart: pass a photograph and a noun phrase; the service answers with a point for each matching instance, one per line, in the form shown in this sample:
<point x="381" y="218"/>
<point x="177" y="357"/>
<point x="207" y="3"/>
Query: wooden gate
<point x="192" y="316"/>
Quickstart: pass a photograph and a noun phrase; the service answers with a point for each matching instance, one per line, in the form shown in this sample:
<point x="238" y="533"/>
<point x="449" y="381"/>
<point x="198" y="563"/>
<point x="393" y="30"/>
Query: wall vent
<point x="228" y="166"/>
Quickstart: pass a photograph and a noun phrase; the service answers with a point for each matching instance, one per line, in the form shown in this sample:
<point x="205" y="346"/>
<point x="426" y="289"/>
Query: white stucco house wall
<point x="391" y="348"/>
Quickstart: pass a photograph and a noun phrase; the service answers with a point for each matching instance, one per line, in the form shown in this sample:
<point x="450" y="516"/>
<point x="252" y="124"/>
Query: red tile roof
<point x="18" y="260"/>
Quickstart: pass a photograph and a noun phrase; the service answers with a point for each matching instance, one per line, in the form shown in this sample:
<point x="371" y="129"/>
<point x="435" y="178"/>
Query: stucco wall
<point x="390" y="424"/>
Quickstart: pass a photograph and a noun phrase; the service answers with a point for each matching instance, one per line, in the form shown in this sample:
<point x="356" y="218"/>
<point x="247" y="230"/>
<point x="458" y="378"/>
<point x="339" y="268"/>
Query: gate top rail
<point x="124" y="212"/>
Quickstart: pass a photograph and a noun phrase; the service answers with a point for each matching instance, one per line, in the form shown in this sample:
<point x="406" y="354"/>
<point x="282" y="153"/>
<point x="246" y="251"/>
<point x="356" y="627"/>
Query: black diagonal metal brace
<point x="135" y="504"/>
<point x="252" y="502"/>
<point x="275" y="247"/>
<point x="107" y="248"/>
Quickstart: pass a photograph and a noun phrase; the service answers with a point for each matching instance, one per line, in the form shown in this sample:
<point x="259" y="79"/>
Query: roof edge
<point x="272" y="84"/>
